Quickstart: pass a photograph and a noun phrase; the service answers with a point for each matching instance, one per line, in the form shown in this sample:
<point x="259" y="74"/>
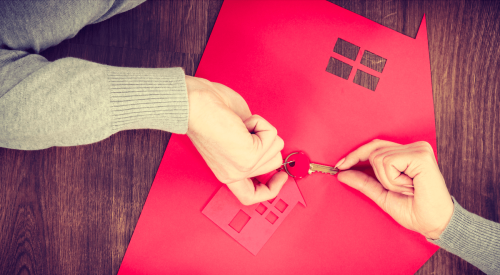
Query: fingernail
<point x="339" y="163"/>
<point x="410" y="186"/>
<point x="407" y="193"/>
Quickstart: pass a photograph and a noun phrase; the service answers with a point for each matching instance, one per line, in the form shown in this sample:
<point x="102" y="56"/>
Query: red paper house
<point x="343" y="64"/>
<point x="252" y="225"/>
<point x="295" y="64"/>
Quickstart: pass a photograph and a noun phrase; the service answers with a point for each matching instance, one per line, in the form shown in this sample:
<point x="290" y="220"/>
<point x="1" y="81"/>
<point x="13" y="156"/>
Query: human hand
<point x="410" y="187"/>
<point x="235" y="144"/>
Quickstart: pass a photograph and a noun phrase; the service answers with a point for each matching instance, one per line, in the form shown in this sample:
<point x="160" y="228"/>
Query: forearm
<point x="72" y="102"/>
<point x="472" y="238"/>
<point x="33" y="26"/>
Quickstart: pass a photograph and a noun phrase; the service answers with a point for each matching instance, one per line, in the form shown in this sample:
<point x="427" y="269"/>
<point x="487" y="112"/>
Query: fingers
<point x="272" y="164"/>
<point x="263" y="133"/>
<point x="272" y="158"/>
<point x="390" y="165"/>
<point x="389" y="161"/>
<point x="267" y="145"/>
<point x="249" y="193"/>
<point x="394" y="166"/>
<point x="366" y="185"/>
<point x="363" y="153"/>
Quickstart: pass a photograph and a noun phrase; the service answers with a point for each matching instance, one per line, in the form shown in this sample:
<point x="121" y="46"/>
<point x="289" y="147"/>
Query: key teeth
<point x="328" y="173"/>
<point x="323" y="169"/>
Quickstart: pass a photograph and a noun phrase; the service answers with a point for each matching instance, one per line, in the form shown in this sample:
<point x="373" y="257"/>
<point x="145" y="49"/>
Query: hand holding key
<point x="235" y="144"/>
<point x="409" y="185"/>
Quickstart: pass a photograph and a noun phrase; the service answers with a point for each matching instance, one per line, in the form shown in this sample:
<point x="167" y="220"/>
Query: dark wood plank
<point x="214" y="7"/>
<point x="464" y="42"/>
<point x="73" y="210"/>
<point x="22" y="220"/>
<point x="183" y="26"/>
<point x="135" y="29"/>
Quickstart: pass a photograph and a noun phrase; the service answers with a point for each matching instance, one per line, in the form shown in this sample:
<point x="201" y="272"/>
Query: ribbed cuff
<point x="473" y="239"/>
<point x="146" y="98"/>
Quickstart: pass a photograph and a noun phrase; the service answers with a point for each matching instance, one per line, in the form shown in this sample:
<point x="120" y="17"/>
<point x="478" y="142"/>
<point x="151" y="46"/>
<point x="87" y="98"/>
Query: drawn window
<point x="346" y="49"/>
<point x="239" y="221"/>
<point x="373" y="61"/>
<point x="343" y="70"/>
<point x="271" y="217"/>
<point x="339" y="68"/>
<point x="281" y="206"/>
<point x="261" y="209"/>
<point x="366" y="80"/>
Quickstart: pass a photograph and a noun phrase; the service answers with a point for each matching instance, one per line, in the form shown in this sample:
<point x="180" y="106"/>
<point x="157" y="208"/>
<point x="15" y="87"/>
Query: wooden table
<point x="73" y="210"/>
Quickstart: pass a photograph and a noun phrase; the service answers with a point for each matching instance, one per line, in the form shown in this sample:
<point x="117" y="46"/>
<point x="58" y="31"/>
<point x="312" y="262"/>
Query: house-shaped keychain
<point x="252" y="225"/>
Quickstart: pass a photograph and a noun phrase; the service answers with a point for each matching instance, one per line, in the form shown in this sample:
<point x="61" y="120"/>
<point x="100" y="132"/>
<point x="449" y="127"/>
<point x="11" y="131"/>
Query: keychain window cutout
<point x="261" y="209"/>
<point x="271" y="201"/>
<point x="346" y="49"/>
<point x="373" y="61"/>
<point x="239" y="221"/>
<point x="281" y="206"/>
<point x="271" y="217"/>
<point x="366" y="80"/>
<point x="339" y="68"/>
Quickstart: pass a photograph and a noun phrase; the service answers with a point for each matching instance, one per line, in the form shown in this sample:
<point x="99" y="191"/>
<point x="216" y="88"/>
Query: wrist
<point x="196" y="101"/>
<point x="436" y="233"/>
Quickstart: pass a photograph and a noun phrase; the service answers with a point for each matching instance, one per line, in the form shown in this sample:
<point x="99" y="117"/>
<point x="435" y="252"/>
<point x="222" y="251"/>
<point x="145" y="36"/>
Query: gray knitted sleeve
<point x="71" y="101"/>
<point x="472" y="238"/>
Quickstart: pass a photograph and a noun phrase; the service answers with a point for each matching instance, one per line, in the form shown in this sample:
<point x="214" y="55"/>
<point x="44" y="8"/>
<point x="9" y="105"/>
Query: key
<point x="298" y="165"/>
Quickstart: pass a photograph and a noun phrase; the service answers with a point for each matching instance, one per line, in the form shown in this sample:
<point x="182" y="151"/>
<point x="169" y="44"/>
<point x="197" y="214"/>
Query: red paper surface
<point x="274" y="53"/>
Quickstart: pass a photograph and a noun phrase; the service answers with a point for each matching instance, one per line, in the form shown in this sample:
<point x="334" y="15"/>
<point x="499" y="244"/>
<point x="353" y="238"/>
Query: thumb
<point x="366" y="185"/>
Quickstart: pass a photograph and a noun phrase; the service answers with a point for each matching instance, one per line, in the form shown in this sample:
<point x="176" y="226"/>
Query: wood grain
<point x="73" y="210"/>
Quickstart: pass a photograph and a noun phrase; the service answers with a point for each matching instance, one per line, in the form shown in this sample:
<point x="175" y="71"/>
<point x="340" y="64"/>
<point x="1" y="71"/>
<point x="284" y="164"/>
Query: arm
<point x="472" y="238"/>
<point x="72" y="102"/>
<point x="410" y="188"/>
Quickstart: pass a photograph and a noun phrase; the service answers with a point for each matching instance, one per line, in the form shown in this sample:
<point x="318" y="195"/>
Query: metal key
<point x="314" y="167"/>
<point x="298" y="165"/>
